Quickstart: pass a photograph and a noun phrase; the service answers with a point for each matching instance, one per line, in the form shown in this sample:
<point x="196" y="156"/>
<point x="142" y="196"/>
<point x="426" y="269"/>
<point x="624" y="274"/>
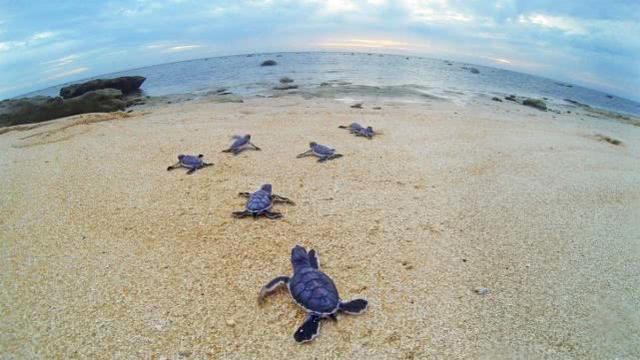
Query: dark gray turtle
<point x="314" y="291"/>
<point x="240" y="143"/>
<point x="190" y="162"/>
<point x="260" y="203"/>
<point x="323" y="153"/>
<point x="359" y="130"/>
<point x="366" y="132"/>
<point x="353" y="127"/>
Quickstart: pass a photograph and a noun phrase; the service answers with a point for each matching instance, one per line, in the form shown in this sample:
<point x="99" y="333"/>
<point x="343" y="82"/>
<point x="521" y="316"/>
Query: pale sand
<point x="105" y="254"/>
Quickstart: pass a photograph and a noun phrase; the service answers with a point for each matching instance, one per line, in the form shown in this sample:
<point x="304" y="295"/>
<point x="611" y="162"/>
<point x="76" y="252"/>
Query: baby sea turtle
<point x="314" y="291"/>
<point x="359" y="130"/>
<point x="353" y="127"/>
<point x="240" y="143"/>
<point x="260" y="203"/>
<point x="324" y="153"/>
<point x="191" y="162"/>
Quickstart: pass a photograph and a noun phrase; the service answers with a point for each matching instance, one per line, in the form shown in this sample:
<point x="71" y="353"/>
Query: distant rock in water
<point x="43" y="108"/>
<point x="510" y="98"/>
<point x="472" y="69"/>
<point x="536" y="103"/>
<point x="285" y="80"/>
<point x="126" y="84"/>
<point x="495" y="98"/>
<point x="269" y="63"/>
<point x="357" y="106"/>
<point x="609" y="96"/>
<point x="562" y="84"/>
<point x="285" y="87"/>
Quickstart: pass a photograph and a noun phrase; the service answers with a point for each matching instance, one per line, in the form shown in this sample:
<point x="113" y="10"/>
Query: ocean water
<point x="358" y="76"/>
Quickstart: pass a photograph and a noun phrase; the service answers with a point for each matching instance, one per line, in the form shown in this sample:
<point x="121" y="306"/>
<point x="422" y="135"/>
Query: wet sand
<point x="105" y="254"/>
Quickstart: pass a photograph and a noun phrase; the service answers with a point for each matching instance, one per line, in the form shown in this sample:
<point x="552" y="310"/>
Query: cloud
<point x="68" y="73"/>
<point x="42" y="35"/>
<point x="565" y="24"/>
<point x="183" y="48"/>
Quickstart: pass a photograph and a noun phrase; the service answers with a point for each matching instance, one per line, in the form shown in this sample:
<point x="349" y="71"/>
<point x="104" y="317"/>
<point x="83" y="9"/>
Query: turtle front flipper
<point x="245" y="194"/>
<point x="174" y="166"/>
<point x="272" y="286"/>
<point x="354" y="307"/>
<point x="309" y="329"/>
<point x="191" y="170"/>
<point x="254" y="146"/>
<point x="314" y="261"/>
<point x="272" y="214"/>
<point x="306" y="153"/>
<point x="240" y="214"/>
<point x="283" y="199"/>
<point x="204" y="164"/>
<point x="227" y="150"/>
<point x="335" y="156"/>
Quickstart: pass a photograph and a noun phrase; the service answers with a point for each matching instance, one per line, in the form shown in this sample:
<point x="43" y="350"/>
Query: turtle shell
<point x="239" y="142"/>
<point x="191" y="161"/>
<point x="259" y="201"/>
<point x="314" y="290"/>
<point x="355" y="127"/>
<point x="322" y="150"/>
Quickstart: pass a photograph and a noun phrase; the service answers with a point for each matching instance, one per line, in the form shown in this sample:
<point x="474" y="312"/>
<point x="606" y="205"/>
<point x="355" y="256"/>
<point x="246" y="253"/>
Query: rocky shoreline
<point x="101" y="95"/>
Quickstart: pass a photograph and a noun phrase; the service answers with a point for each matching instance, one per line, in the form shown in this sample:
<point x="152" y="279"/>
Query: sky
<point x="588" y="42"/>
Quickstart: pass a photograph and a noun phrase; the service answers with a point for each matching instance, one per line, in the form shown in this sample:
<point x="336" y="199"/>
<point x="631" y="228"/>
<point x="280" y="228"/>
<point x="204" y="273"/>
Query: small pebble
<point x="481" y="291"/>
<point x="231" y="323"/>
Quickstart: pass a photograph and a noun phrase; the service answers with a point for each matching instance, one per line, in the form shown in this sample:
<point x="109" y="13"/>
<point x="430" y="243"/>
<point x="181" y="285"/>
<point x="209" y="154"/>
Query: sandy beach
<point x="105" y="254"/>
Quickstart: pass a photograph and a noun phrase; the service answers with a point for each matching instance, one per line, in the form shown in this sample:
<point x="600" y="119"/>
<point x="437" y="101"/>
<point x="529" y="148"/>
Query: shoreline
<point x="109" y="255"/>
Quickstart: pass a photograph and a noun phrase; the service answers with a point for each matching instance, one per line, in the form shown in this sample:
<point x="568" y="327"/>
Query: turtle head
<point x="180" y="157"/>
<point x="299" y="258"/>
<point x="313" y="144"/>
<point x="369" y="129"/>
<point x="266" y="187"/>
<point x="247" y="137"/>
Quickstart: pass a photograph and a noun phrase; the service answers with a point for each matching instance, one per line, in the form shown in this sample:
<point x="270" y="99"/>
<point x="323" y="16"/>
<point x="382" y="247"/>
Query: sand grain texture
<point x="105" y="254"/>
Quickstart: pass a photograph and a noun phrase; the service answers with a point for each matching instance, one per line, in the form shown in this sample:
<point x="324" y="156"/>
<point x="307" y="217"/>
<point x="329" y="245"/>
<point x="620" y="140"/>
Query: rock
<point x="231" y="322"/>
<point x="536" y="103"/>
<point x="495" y="98"/>
<point x="357" y="106"/>
<point x="126" y="84"/>
<point x="481" y="291"/>
<point x="325" y="84"/>
<point x="511" y="98"/>
<point x="609" y="96"/>
<point x="269" y="63"/>
<point x="285" y="87"/>
<point x="608" y="139"/>
<point x="377" y="108"/>
<point x="43" y="108"/>
<point x="472" y="69"/>
<point x="285" y="80"/>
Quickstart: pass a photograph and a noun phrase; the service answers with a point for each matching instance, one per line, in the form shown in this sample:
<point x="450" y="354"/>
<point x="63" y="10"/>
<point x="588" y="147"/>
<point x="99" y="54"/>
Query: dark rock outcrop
<point x="495" y="98"/>
<point x="43" y="108"/>
<point x="536" y="103"/>
<point x="511" y="98"/>
<point x="126" y="84"/>
<point x="285" y="87"/>
<point x="285" y="80"/>
<point x="269" y="63"/>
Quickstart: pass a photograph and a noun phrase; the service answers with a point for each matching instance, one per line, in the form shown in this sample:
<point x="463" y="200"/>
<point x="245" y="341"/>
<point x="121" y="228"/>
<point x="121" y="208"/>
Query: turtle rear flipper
<point x="272" y="214"/>
<point x="227" y="150"/>
<point x="354" y="307"/>
<point x="174" y="166"/>
<point x="191" y="171"/>
<point x="309" y="329"/>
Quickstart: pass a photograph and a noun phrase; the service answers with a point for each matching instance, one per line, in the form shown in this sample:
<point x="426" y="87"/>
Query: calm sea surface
<point x="355" y="76"/>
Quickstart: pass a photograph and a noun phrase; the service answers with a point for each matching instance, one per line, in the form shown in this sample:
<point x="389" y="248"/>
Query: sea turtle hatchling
<point x="359" y="130"/>
<point x="323" y="153"/>
<point x="240" y="143"/>
<point x="191" y="162"/>
<point x="314" y="291"/>
<point x="261" y="202"/>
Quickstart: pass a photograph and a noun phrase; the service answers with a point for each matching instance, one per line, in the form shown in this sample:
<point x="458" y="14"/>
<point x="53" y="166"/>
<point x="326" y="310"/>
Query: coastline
<point x="106" y="254"/>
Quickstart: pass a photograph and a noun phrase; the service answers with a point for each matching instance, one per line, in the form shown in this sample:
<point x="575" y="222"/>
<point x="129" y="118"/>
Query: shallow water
<point x="354" y="76"/>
